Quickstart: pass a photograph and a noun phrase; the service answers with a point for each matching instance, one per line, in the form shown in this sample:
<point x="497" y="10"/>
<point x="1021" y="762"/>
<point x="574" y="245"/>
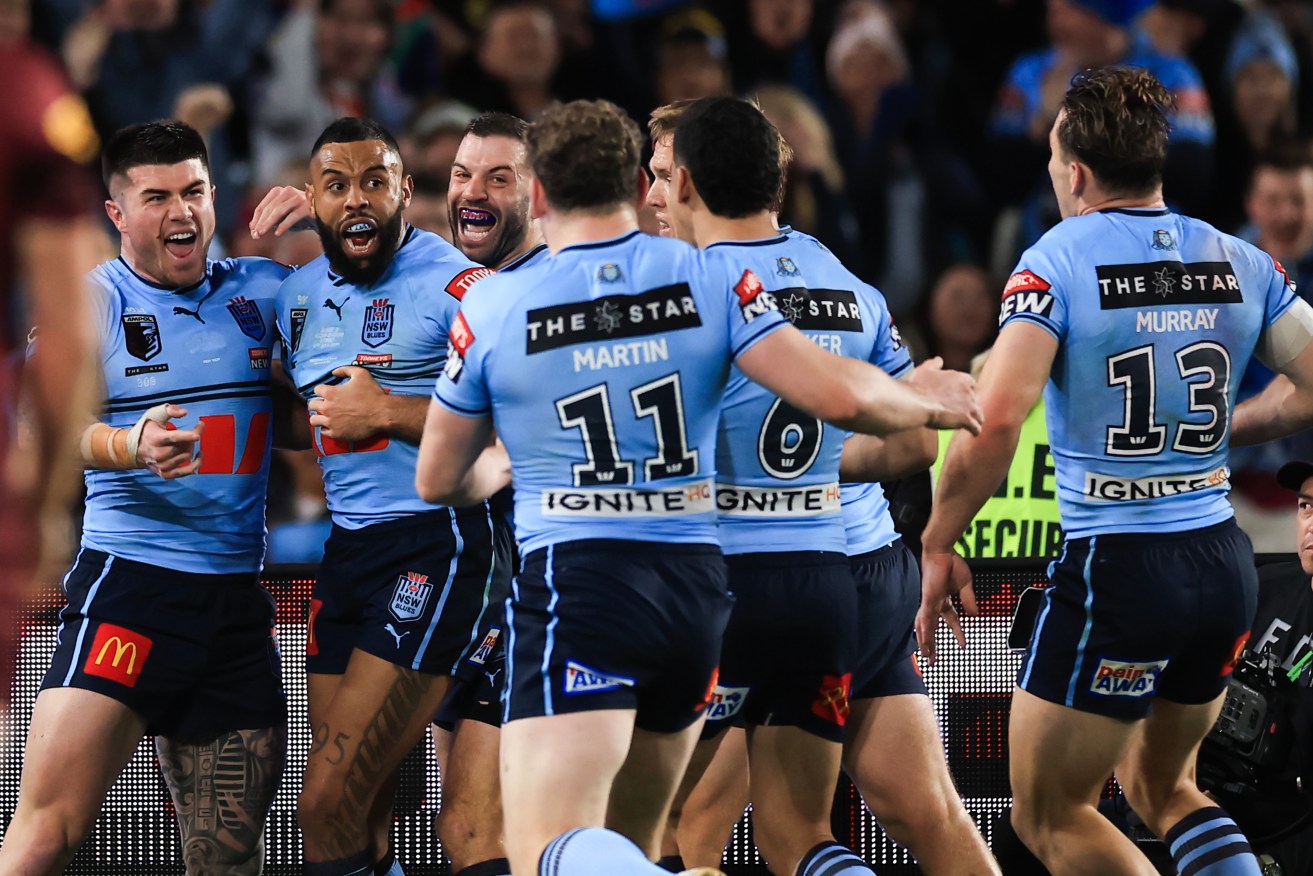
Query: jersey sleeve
<point x="751" y="314"/>
<point x="1280" y="292"/>
<point x="462" y="388"/>
<point x="1034" y="294"/>
<point x="439" y="316"/>
<point x="889" y="353"/>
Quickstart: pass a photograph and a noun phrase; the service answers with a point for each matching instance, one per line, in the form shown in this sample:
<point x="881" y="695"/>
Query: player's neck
<point x="1097" y="201"/>
<point x="531" y="240"/>
<point x="709" y="228"/>
<point x="562" y="229"/>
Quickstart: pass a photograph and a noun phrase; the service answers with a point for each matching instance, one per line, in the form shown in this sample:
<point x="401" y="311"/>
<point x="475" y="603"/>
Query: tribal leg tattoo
<point x="222" y="789"/>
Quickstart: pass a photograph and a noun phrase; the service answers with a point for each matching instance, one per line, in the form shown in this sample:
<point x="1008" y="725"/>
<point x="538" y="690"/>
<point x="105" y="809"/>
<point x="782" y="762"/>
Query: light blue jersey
<point x="778" y="468"/>
<point x="603" y="369"/>
<point x="1156" y="316"/>
<point x="397" y="328"/>
<point x="207" y="347"/>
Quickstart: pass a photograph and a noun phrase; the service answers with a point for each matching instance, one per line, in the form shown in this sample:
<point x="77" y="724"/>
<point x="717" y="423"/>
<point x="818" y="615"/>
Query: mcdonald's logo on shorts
<point x="118" y="654"/>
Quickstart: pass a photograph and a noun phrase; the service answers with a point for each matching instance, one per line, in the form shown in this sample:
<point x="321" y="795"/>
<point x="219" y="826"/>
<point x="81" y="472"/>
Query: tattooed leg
<point x="377" y="714"/>
<point x="222" y="789"/>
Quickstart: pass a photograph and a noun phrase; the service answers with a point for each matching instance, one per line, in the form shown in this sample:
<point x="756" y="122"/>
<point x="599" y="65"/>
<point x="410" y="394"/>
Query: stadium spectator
<point x="515" y="63"/>
<point x="690" y="59"/>
<point x="777" y="42"/>
<point x="958" y="317"/>
<point x="429" y="145"/>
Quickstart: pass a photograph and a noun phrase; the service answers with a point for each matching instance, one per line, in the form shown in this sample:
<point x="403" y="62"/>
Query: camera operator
<point x="1268" y="783"/>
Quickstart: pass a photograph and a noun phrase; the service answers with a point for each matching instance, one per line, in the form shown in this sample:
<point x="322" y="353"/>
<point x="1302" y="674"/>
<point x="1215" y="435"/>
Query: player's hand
<point x="955" y="394"/>
<point x="350" y="410"/>
<point x="283" y="209"/>
<point x="205" y="106"/>
<point x="942" y="575"/>
<point x="171" y="453"/>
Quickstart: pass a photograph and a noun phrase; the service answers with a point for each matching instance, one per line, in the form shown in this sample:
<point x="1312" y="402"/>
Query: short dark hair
<point x="1116" y="122"/>
<point x="732" y="153"/>
<point x="1285" y="155"/>
<point x="350" y="129"/>
<point x="164" y="142"/>
<point x="495" y="124"/>
<point x="586" y="155"/>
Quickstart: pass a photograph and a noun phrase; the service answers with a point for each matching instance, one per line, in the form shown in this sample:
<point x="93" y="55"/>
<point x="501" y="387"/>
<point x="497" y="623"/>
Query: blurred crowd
<point x="919" y="127"/>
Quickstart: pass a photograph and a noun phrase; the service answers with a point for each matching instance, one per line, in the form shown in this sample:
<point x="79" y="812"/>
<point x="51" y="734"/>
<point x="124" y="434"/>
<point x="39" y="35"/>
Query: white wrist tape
<point x="159" y="414"/>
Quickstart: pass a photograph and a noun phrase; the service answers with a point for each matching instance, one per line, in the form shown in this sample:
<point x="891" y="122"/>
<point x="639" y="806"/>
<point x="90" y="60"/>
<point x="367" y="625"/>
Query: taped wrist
<point x="158" y="414"/>
<point x="103" y="446"/>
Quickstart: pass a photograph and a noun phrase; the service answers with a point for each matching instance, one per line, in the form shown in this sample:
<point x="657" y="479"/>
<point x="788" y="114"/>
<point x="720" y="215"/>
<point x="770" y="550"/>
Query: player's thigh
<point x="1060" y="757"/>
<point x="471" y="782"/>
<point x="77" y="744"/>
<point x="895" y="755"/>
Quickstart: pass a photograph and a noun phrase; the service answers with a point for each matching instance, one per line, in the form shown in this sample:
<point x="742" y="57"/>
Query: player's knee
<point x="465" y="836"/>
<point x="1031" y="825"/>
<point x="239" y="856"/>
<point x="315" y="810"/>
<point x="49" y="833"/>
<point x="1150" y="795"/>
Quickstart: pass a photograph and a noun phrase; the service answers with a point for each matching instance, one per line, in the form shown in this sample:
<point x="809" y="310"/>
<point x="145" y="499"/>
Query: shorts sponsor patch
<point x="832" y="699"/>
<point x="118" y="654"/>
<point x="484" y="651"/>
<point x="410" y="596"/>
<point x="580" y="679"/>
<point x="1117" y="678"/>
<point x="726" y="702"/>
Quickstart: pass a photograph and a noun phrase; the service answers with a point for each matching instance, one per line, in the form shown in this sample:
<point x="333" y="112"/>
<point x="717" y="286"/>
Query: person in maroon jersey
<point x="47" y="244"/>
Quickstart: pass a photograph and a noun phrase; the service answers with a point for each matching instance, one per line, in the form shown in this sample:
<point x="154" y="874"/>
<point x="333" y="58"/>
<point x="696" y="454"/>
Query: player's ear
<point x="1078" y="179"/>
<point x="681" y="186"/>
<point x="537" y="199"/>
<point x="115" y="214"/>
<point x="310" y="197"/>
<point x="644" y="184"/>
<point x="407" y="190"/>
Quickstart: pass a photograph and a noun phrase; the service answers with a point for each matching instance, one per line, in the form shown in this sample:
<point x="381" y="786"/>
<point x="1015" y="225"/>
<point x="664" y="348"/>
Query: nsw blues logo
<point x="410" y="596"/>
<point x="248" y="317"/>
<point x="377" y="328"/>
<point x="141" y="333"/>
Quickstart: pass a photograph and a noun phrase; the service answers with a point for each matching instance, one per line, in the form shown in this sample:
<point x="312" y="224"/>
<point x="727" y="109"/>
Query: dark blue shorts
<point x="612" y="624"/>
<point x="1131" y="617"/>
<point x="195" y="655"/>
<point x="413" y="592"/>
<point x="888" y="596"/>
<point x="476" y="694"/>
<point x="789" y="647"/>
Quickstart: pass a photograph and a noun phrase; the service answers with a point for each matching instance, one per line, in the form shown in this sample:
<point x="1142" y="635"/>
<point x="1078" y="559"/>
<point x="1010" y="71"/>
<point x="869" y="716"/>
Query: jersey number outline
<point x="589" y="411"/>
<point x="1140" y="434"/>
<point x="787" y="438"/>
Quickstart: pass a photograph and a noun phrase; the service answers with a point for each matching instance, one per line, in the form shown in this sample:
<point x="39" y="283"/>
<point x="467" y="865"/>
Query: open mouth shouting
<point x="475" y="226"/>
<point x="359" y="237"/>
<point x="181" y="244"/>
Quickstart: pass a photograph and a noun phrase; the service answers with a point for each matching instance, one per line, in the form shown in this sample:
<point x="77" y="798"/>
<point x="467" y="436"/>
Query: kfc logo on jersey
<point x="246" y="314"/>
<point x="410" y="596"/>
<point x="1025" y="292"/>
<point x="754" y="300"/>
<point x="377" y="327"/>
<point x="1117" y="678"/>
<point x="726" y="702"/>
<point x="580" y="679"/>
<point x="461" y="283"/>
<point x="118" y="654"/>
<point x="458" y="341"/>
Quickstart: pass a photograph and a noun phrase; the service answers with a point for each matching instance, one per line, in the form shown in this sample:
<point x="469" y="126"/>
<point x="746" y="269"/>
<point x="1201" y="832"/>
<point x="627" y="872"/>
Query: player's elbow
<point x="436" y="486"/>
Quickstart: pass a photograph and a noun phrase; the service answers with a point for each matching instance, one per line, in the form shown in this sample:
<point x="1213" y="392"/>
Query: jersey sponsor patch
<point x="830" y="309"/>
<point x="461" y="283"/>
<point x="726" y="702"/>
<point x="1107" y="488"/>
<point x="458" y="341"/>
<point x="695" y="498"/>
<point x="247" y="315"/>
<point x="145" y="369"/>
<point x="484" y="651"/>
<point x="818" y="500"/>
<point x="118" y="654"/>
<point x="1119" y="678"/>
<point x="296" y="320"/>
<point x="832" y="697"/>
<point x="611" y="317"/>
<point x="754" y="300"/>
<point x="376" y="330"/>
<point x="141" y="334"/>
<point x="260" y="357"/>
<point x="1290" y="284"/>
<point x="1160" y="284"/>
<point x="374" y="360"/>
<point x="1026" y="292"/>
<point x="580" y="679"/>
<point x="410" y="596"/>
